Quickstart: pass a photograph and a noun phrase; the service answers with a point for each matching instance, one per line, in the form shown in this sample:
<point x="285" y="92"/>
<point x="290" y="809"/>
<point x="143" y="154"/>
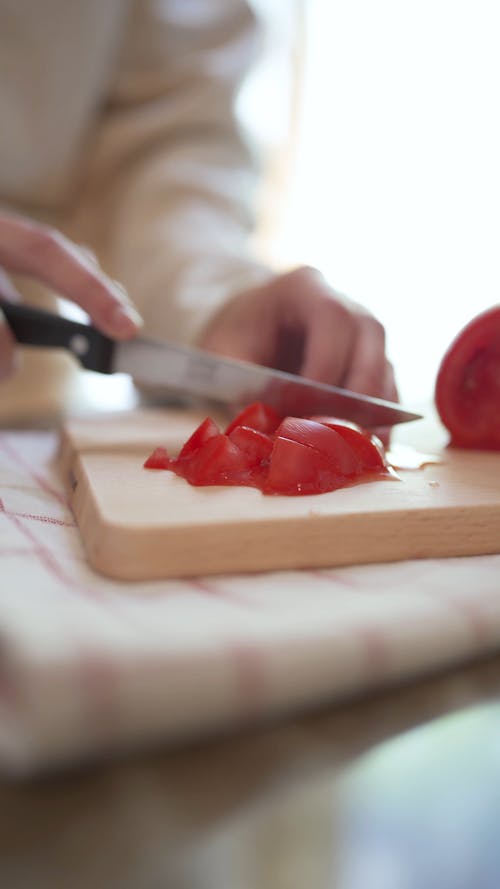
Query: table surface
<point x="395" y="789"/>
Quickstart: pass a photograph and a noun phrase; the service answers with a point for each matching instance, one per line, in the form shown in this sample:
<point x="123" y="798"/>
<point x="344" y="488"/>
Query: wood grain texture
<point x="138" y="524"/>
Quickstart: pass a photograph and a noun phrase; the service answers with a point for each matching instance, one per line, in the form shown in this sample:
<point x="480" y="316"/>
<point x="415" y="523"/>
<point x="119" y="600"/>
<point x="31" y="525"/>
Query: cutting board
<point x="138" y="524"/>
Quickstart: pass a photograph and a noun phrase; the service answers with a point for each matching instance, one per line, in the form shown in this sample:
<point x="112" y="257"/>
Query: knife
<point x="196" y="372"/>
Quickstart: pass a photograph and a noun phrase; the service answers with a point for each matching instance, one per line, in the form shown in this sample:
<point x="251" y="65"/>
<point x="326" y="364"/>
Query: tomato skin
<point x="296" y="468"/>
<point x="285" y="456"/>
<point x="159" y="459"/>
<point x="367" y="446"/>
<point x="257" y="416"/>
<point x="257" y="446"/>
<point x="216" y="462"/>
<point x="205" y="431"/>
<point x="324" y="440"/>
<point x="467" y="389"/>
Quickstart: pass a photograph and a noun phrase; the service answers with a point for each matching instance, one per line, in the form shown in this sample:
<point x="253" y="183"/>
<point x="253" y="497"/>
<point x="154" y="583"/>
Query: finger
<point x="390" y="393"/>
<point x="46" y="255"/>
<point x="7" y="289"/>
<point x="329" y="339"/>
<point x="367" y="366"/>
<point x="7" y="348"/>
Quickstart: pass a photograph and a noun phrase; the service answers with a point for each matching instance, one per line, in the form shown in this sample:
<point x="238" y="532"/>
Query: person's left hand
<point x="296" y="322"/>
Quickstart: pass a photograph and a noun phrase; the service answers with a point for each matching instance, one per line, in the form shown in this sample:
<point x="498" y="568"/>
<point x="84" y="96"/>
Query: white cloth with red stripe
<point x="91" y="666"/>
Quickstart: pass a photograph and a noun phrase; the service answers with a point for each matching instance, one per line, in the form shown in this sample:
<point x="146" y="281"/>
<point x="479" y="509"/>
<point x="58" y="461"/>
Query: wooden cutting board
<point x="138" y="524"/>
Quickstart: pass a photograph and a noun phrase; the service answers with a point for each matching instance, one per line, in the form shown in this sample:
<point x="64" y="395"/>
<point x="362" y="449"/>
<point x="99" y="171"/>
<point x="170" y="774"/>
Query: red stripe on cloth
<point x="96" y="676"/>
<point x="250" y="678"/>
<point x="48" y="520"/>
<point x="40" y="480"/>
<point x="376" y="648"/>
<point x="11" y="551"/>
<point x="210" y="589"/>
<point x="46" y="557"/>
<point x="332" y="575"/>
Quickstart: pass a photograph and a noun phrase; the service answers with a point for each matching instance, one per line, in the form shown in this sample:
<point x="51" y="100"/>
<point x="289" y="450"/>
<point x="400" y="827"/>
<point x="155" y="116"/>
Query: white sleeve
<point x="171" y="187"/>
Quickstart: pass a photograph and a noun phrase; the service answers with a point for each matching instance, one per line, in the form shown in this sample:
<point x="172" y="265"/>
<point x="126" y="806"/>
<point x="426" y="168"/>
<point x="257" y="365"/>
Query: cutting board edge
<point x="126" y="553"/>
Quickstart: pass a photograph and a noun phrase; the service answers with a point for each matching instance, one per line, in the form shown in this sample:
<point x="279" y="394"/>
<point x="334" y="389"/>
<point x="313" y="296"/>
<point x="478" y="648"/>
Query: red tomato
<point x="326" y="441"/>
<point x="298" y="469"/>
<point x="217" y="462"/>
<point x="467" y="392"/>
<point x="258" y="416"/>
<point x="295" y="456"/>
<point x="205" y="431"/>
<point x="368" y="448"/>
<point x="256" y="445"/>
<point x="159" y="459"/>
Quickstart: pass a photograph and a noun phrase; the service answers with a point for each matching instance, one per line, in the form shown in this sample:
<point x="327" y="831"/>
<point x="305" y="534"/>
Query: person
<point x="120" y="132"/>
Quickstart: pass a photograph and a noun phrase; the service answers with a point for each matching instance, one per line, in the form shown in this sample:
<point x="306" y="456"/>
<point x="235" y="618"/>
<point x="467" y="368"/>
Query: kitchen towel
<point x="91" y="666"/>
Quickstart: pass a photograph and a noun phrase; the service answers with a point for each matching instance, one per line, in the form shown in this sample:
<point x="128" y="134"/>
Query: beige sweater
<point x="118" y="126"/>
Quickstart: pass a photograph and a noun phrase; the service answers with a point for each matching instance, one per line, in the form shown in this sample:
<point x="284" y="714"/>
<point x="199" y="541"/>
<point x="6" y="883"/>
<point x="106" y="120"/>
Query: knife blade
<point x="193" y="371"/>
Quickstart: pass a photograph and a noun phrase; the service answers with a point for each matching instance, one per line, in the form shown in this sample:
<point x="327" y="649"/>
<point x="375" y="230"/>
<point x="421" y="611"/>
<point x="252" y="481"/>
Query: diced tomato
<point x="258" y="416"/>
<point x="326" y="441"/>
<point x="467" y="391"/>
<point x="257" y="446"/>
<point x="287" y="456"/>
<point x="159" y="459"/>
<point x="205" y="431"/>
<point x="368" y="447"/>
<point x="216" y="462"/>
<point x="299" y="469"/>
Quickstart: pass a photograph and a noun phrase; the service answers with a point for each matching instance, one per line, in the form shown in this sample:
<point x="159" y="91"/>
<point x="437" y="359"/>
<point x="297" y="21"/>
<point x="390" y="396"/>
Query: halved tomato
<point x="467" y="391"/>
<point x="258" y="416"/>
<point x="159" y="459"/>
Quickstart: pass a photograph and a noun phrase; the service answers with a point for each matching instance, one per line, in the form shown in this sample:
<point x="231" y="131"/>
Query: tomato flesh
<point x="258" y="416"/>
<point x="204" y="432"/>
<point x="367" y="446"/>
<point x="159" y="459"/>
<point x="467" y="391"/>
<point x="217" y="462"/>
<point x="296" y="468"/>
<point x="257" y="446"/>
<point x="324" y="441"/>
<point x="287" y="456"/>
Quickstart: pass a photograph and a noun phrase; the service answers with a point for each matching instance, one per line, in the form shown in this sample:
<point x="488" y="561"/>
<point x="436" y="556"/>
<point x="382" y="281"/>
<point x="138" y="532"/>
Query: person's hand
<point x="30" y="249"/>
<point x="296" y="322"/>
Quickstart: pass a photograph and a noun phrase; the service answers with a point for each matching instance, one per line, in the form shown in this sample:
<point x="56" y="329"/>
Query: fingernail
<point x="126" y="319"/>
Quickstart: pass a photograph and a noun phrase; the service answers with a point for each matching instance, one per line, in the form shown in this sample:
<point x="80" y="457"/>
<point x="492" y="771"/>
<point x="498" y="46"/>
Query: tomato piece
<point x="366" y="446"/>
<point x="205" y="431"/>
<point x="467" y="390"/>
<point x="257" y="416"/>
<point x="325" y="441"/>
<point x="296" y="468"/>
<point x="257" y="446"/>
<point x="159" y="459"/>
<point x="216" y="462"/>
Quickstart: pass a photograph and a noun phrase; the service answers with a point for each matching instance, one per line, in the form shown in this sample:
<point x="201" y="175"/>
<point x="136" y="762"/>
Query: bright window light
<point x="396" y="182"/>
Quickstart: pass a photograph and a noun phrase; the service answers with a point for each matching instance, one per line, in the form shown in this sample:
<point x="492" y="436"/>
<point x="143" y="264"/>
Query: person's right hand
<point x="44" y="254"/>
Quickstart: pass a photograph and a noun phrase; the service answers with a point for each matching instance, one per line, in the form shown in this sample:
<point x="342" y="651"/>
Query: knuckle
<point x="374" y="327"/>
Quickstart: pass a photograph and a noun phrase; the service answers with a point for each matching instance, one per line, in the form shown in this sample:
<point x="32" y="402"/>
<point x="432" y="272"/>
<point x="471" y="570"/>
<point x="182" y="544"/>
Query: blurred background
<point x="393" y="182"/>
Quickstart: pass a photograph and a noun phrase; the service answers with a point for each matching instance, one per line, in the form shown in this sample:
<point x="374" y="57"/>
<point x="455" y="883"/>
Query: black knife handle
<point x="37" y="327"/>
